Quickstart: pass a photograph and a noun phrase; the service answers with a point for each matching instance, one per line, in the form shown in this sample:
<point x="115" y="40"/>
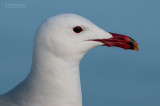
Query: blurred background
<point x="109" y="76"/>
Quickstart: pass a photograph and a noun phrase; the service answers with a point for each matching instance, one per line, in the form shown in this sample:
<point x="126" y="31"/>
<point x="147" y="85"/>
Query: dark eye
<point x="77" y="29"/>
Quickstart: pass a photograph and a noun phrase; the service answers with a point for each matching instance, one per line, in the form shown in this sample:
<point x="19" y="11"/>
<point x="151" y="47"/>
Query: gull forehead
<point x="70" y="18"/>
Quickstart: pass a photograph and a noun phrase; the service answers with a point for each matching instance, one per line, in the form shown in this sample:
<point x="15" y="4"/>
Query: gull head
<point x="71" y="36"/>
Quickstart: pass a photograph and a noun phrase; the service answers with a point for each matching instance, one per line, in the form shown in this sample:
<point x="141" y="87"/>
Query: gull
<point x="60" y="43"/>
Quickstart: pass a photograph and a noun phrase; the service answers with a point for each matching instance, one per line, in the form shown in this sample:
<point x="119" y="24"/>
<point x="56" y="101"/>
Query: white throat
<point x="56" y="81"/>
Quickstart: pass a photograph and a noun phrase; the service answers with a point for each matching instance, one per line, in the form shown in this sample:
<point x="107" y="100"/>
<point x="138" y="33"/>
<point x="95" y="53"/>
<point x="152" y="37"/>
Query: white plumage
<point x="54" y="77"/>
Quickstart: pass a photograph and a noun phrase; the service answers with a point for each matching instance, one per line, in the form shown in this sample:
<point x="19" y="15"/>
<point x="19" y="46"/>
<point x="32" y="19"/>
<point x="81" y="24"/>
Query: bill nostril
<point x="120" y="38"/>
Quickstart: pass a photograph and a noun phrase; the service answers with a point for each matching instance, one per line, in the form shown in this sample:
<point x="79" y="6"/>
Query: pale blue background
<point x="109" y="76"/>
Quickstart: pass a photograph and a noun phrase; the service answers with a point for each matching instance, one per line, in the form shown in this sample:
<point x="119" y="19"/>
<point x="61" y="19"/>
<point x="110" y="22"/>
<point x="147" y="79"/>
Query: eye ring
<point x="77" y="29"/>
